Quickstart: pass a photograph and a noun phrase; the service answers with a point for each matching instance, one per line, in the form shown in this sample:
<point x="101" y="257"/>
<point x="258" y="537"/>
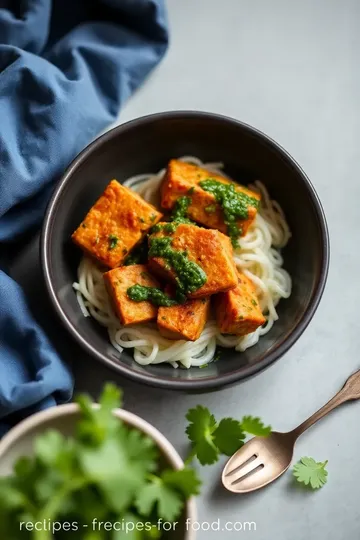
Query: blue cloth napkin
<point x="66" y="67"/>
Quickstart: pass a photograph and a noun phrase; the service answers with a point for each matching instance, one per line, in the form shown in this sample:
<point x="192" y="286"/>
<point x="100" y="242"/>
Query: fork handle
<point x="350" y="391"/>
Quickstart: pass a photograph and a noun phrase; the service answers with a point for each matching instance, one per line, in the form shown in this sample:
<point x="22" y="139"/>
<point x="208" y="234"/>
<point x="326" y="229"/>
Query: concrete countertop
<point x="290" y="69"/>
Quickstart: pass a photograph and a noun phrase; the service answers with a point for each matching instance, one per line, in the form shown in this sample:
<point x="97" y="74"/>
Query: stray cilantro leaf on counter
<point x="210" y="438"/>
<point x="229" y="436"/>
<point x="202" y="425"/>
<point x="254" y="426"/>
<point x="310" y="472"/>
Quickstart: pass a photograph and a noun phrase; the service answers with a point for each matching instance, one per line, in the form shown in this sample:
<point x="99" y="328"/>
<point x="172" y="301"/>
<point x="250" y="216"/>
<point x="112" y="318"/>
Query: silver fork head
<point x="260" y="461"/>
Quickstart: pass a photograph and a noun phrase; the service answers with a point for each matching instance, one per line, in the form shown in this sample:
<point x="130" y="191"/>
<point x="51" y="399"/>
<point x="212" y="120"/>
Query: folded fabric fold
<point x="66" y="68"/>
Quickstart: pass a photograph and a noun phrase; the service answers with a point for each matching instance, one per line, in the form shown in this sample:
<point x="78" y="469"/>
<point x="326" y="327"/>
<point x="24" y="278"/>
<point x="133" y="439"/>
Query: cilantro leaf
<point x="310" y="472"/>
<point x="200" y="430"/>
<point x="254" y="426"/>
<point x="229" y="436"/>
<point x="168" y="501"/>
<point x="186" y="481"/>
<point x="139" y="447"/>
<point x="97" y="423"/>
<point x="110" y="466"/>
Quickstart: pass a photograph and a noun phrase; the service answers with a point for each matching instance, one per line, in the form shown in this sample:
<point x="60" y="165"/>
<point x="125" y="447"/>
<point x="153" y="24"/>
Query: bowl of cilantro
<point x="93" y="471"/>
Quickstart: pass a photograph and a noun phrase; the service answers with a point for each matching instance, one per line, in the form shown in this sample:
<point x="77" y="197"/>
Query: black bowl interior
<point x="146" y="145"/>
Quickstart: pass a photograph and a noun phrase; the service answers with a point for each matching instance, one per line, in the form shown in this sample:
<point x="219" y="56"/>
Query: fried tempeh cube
<point x="115" y="224"/>
<point x="118" y="281"/>
<point x="238" y="311"/>
<point x="183" y="321"/>
<point x="182" y="179"/>
<point x="210" y="249"/>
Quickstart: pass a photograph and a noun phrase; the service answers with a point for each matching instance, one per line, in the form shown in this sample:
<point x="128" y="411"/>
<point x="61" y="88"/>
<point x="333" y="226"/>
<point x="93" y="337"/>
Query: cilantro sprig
<point x="107" y="470"/>
<point x="311" y="473"/>
<point x="209" y="438"/>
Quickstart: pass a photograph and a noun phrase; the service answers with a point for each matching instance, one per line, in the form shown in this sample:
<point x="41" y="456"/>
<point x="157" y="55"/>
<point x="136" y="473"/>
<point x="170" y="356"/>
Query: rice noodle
<point x="258" y="256"/>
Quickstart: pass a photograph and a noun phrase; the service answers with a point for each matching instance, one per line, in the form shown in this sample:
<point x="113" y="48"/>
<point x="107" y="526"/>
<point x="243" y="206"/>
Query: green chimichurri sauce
<point x="177" y="217"/>
<point x="166" y="227"/>
<point x="179" y="213"/>
<point x="140" y="293"/>
<point x="234" y="204"/>
<point x="189" y="275"/>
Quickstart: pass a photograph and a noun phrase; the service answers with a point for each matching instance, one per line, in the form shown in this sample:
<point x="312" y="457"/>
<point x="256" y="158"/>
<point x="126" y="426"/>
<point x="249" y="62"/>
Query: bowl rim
<point x="217" y="381"/>
<point x="26" y="426"/>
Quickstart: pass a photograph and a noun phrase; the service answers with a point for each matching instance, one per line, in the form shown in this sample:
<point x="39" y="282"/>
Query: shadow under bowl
<point x="145" y="145"/>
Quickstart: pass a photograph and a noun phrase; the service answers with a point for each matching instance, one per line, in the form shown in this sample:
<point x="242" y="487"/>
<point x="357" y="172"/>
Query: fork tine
<point x="244" y="471"/>
<point x="241" y="458"/>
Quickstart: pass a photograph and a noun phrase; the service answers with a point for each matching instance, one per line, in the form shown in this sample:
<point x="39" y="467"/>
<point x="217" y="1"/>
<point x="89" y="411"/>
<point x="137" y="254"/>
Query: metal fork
<point x="263" y="459"/>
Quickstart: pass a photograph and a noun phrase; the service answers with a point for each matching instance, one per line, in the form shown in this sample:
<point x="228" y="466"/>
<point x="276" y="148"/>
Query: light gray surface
<point x="292" y="70"/>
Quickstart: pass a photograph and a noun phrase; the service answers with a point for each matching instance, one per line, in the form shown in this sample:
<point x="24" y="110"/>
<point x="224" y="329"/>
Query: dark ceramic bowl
<point x="145" y="145"/>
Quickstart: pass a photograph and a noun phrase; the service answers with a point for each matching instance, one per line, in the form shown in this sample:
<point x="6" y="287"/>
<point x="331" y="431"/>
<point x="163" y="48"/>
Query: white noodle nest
<point x="259" y="257"/>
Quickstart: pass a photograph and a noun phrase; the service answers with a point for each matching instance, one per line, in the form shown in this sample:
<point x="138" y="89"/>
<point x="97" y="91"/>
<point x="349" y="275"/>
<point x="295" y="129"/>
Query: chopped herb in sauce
<point x="166" y="227"/>
<point x="152" y="218"/>
<point x="211" y="209"/>
<point x="141" y="293"/>
<point x="139" y="254"/>
<point x="83" y="225"/>
<point x="191" y="190"/>
<point x="189" y="275"/>
<point x="142" y="220"/>
<point x="179" y="214"/>
<point x="124" y="251"/>
<point x="234" y="204"/>
<point x="217" y="355"/>
<point x="113" y="241"/>
<point x="254" y="302"/>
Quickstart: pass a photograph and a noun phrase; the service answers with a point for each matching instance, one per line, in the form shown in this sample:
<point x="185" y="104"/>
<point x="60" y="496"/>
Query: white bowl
<point x="19" y="442"/>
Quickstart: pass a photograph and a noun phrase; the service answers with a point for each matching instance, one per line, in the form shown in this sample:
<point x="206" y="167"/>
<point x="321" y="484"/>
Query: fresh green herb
<point x="138" y="255"/>
<point x="189" y="275"/>
<point x="191" y="190"/>
<point x="107" y="470"/>
<point x="217" y="355"/>
<point x="113" y="241"/>
<point x="166" y="227"/>
<point x="254" y="302"/>
<point x="167" y="492"/>
<point x="310" y="472"/>
<point x="254" y="426"/>
<point x="203" y="366"/>
<point x="211" y="209"/>
<point x="210" y="438"/>
<point x="179" y="213"/>
<point x="235" y="205"/>
<point x="142" y="293"/>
